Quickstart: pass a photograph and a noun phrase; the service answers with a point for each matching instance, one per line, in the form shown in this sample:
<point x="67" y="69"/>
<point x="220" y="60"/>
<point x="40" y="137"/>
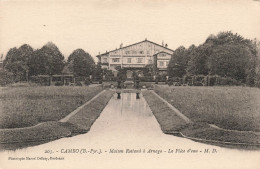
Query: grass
<point x="171" y="123"/>
<point x="28" y="106"/>
<point x="168" y="120"/>
<point x="234" y="108"/>
<point x="87" y="116"/>
<point x="81" y="122"/>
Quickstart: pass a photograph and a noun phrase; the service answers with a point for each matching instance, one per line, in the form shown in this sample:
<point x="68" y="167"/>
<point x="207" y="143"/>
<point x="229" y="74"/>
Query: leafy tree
<point x="83" y="63"/>
<point x="233" y="56"/>
<point x="16" y="61"/>
<point x="178" y="63"/>
<point x="47" y="60"/>
<point x="257" y="63"/>
<point x="229" y="61"/>
<point x="149" y="70"/>
<point x="226" y="55"/>
<point x="198" y="60"/>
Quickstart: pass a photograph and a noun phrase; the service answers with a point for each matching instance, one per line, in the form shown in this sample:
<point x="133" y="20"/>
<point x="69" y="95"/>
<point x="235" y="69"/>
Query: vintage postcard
<point x="123" y="84"/>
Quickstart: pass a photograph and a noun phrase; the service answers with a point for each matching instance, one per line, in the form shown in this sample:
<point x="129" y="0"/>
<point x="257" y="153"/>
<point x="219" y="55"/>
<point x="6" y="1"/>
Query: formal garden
<point x="213" y="84"/>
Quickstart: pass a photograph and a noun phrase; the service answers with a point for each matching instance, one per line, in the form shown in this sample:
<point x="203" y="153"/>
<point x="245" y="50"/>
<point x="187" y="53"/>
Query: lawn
<point x="235" y="108"/>
<point x="28" y="106"/>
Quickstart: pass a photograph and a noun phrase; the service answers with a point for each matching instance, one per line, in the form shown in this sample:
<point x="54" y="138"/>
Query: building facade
<point x="137" y="55"/>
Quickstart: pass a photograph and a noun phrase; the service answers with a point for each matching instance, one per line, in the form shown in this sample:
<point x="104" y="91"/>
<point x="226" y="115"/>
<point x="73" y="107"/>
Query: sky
<point x="102" y="25"/>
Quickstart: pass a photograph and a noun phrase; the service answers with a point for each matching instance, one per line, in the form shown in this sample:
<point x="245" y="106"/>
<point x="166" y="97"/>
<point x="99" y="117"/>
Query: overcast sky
<point x="97" y="26"/>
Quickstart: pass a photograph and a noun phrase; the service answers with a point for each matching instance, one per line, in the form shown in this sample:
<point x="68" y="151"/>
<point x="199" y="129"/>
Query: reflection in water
<point x="128" y="123"/>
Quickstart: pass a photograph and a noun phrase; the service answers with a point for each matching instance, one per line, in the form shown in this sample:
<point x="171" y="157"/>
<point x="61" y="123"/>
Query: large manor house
<point x="137" y="55"/>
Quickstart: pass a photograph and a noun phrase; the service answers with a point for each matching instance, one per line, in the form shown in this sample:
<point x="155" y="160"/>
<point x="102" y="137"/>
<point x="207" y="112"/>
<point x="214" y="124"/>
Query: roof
<point x="135" y="44"/>
<point x="102" y="54"/>
<point x="162" y="52"/>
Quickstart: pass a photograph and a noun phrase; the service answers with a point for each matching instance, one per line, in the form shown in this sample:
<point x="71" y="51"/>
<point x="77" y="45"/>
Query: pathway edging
<point x="210" y="125"/>
<point x="186" y="119"/>
<point x="65" y="119"/>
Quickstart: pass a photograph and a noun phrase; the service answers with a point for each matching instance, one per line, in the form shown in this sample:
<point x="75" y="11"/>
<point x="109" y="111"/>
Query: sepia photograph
<point x="125" y="84"/>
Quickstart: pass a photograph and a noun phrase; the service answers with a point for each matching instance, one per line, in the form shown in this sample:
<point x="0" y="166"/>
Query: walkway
<point x="124" y="124"/>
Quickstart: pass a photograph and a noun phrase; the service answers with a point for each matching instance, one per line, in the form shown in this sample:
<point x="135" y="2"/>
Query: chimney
<point x="166" y="45"/>
<point x="121" y="45"/>
<point x="162" y="43"/>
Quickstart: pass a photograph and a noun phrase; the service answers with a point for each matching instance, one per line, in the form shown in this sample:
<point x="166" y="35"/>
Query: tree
<point x="230" y="61"/>
<point x="16" y="61"/>
<point x="233" y="56"/>
<point x="198" y="62"/>
<point x="48" y="61"/>
<point x="83" y="63"/>
<point x="226" y="55"/>
<point x="178" y="63"/>
<point x="149" y="70"/>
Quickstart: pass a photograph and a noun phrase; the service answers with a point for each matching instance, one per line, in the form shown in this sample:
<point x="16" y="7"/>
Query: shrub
<point x="213" y="80"/>
<point x="78" y="83"/>
<point x="67" y="83"/>
<point x="146" y="79"/>
<point x="156" y="81"/>
<point x="170" y="82"/>
<point x="197" y="84"/>
<point x="176" y="79"/>
<point x="177" y="84"/>
<point x="228" y="81"/>
<point x="6" y="78"/>
<point x="58" y="83"/>
<point x="87" y="82"/>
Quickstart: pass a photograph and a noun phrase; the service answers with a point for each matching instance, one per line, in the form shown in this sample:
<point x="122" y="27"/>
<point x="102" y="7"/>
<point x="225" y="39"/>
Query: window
<point x="105" y="60"/>
<point x="115" y="59"/>
<point x="134" y="52"/>
<point x="139" y="60"/>
<point x="150" y="61"/>
<point x="160" y="63"/>
<point x="141" y="52"/>
<point x="167" y="63"/>
<point x="127" y="52"/>
<point x="128" y="60"/>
